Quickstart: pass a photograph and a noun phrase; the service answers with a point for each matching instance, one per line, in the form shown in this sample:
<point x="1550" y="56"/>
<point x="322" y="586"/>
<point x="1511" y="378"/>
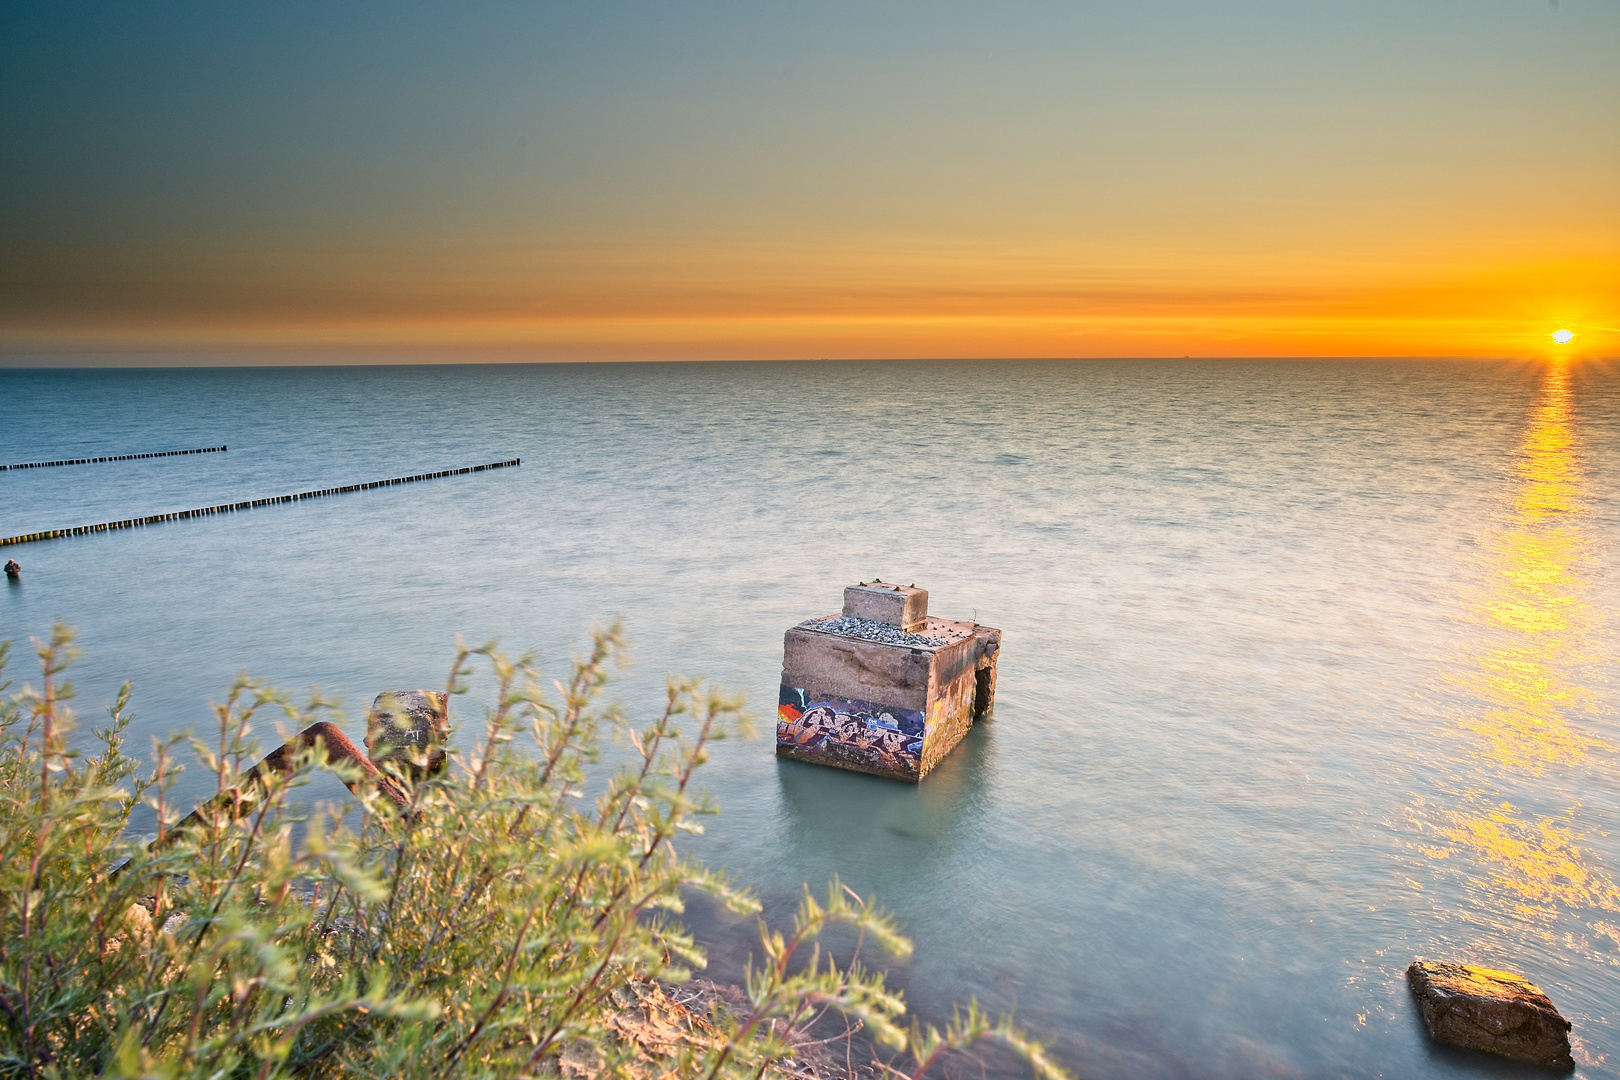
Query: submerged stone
<point x="1495" y="1011"/>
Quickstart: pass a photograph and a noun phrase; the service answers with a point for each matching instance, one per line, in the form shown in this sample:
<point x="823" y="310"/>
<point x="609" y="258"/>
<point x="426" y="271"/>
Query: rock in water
<point x="1495" y="1011"/>
<point x="410" y="728"/>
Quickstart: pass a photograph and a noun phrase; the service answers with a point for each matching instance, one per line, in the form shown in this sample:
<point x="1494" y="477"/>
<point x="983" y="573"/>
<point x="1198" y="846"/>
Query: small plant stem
<point x="219" y="901"/>
<point x="500" y="996"/>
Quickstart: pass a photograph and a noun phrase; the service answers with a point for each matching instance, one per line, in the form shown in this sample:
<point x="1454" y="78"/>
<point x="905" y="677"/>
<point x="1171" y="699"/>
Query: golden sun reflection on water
<point x="1529" y="696"/>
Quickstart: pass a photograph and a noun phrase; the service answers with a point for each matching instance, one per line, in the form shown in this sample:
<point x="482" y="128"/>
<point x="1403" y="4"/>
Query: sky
<point x="725" y="180"/>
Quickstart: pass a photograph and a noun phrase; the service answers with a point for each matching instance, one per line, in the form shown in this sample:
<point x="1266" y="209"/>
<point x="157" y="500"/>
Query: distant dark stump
<point x="1494" y="1011"/>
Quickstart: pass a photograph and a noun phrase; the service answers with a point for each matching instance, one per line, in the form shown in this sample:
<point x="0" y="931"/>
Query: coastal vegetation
<point x="519" y="917"/>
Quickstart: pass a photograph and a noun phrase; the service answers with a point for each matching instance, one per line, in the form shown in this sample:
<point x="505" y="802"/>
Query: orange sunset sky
<point x="198" y="183"/>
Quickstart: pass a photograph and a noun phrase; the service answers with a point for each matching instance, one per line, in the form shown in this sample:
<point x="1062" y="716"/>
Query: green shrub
<point x="501" y="926"/>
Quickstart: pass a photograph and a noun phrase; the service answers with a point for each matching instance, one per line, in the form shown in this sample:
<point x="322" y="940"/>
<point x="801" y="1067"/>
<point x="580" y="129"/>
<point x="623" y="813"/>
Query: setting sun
<point x="1563" y="337"/>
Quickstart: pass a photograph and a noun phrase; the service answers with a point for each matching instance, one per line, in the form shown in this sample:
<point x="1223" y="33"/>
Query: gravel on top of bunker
<point x="871" y="630"/>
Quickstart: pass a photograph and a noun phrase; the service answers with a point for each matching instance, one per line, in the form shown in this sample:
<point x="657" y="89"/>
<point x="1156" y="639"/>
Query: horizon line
<point x="219" y="359"/>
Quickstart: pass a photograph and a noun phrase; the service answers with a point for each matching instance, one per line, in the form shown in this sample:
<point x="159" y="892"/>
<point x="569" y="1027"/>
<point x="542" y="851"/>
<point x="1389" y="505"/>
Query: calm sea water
<point x="1308" y="667"/>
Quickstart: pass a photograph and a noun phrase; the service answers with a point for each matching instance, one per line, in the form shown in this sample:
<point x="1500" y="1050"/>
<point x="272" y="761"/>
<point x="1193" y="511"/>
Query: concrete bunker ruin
<point x="883" y="687"/>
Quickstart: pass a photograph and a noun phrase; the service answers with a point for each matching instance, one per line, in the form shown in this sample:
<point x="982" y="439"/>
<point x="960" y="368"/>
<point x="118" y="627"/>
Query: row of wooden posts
<point x="227" y="508"/>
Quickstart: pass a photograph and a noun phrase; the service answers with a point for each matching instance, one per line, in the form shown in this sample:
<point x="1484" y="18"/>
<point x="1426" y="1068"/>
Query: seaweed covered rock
<point x="1495" y="1011"/>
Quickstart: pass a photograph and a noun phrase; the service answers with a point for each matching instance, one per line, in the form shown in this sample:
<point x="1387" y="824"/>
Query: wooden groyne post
<point x="227" y="508"/>
<point x="114" y="457"/>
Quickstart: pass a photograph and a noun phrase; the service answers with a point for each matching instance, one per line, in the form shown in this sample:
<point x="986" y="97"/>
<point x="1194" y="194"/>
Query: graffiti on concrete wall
<point x="890" y="738"/>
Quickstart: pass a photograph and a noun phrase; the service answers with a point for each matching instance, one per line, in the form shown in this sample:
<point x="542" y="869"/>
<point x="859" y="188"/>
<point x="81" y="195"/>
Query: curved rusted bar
<point x="336" y="748"/>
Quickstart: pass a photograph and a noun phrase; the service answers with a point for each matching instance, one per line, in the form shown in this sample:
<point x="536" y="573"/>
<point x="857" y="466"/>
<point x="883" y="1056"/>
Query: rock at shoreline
<point x="409" y="728"/>
<point x="1495" y="1011"/>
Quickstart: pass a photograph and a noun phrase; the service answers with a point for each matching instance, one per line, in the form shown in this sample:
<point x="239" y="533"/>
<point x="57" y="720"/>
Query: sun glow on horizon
<point x="677" y="181"/>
